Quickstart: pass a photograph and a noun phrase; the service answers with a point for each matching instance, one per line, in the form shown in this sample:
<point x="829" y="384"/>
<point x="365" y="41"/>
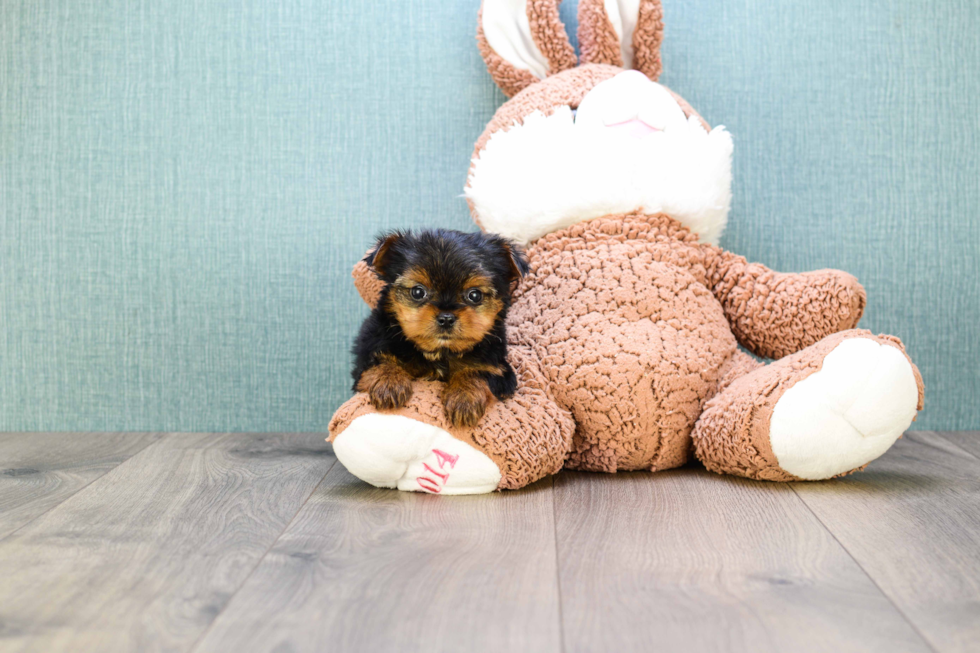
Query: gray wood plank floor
<point x="376" y="570"/>
<point x="40" y="470"/>
<point x="262" y="542"/>
<point x="912" y="521"/>
<point x="145" y="557"/>
<point x="696" y="561"/>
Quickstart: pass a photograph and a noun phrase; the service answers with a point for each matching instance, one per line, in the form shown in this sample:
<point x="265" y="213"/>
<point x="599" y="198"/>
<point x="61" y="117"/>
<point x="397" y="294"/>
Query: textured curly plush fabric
<point x="548" y="34"/>
<point x="367" y="283"/>
<point x="631" y="338"/>
<point x="775" y="314"/>
<point x="633" y="319"/>
<point x="597" y="39"/>
<point x="599" y="42"/>
<point x="509" y="78"/>
<point x="647" y="37"/>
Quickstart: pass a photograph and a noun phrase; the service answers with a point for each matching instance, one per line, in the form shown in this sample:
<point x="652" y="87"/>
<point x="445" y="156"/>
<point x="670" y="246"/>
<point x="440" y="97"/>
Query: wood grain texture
<point x="40" y="470"/>
<point x="690" y="561"/>
<point x="966" y="440"/>
<point x="912" y="521"/>
<point x="364" y="569"/>
<point x="145" y="557"/>
<point x="203" y="542"/>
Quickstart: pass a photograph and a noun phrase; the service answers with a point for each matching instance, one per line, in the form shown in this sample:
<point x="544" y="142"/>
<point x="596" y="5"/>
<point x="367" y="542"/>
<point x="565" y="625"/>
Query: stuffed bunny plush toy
<point x="625" y="333"/>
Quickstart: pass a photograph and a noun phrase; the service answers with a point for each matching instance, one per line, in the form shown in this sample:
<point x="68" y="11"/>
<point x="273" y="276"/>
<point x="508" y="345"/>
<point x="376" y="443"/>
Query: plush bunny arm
<point x="775" y="314"/>
<point x="367" y="283"/>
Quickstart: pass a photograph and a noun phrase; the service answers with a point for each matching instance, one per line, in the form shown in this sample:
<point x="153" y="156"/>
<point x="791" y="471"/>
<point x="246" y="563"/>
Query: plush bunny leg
<point x="827" y="410"/>
<point x="415" y="448"/>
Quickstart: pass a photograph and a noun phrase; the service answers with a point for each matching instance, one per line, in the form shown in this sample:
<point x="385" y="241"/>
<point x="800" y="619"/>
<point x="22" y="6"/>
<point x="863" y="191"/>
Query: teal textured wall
<point x="185" y="185"/>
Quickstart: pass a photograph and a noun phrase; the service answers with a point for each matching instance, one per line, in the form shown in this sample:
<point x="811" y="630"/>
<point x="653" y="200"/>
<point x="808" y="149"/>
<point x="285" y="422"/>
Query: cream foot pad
<point x="399" y="452"/>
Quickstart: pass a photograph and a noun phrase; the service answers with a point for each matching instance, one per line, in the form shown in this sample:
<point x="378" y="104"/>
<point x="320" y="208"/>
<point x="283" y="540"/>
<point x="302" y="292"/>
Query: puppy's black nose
<point x="445" y="320"/>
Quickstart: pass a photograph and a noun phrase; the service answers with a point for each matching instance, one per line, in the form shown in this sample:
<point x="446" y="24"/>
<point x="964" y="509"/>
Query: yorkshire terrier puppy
<point x="440" y="316"/>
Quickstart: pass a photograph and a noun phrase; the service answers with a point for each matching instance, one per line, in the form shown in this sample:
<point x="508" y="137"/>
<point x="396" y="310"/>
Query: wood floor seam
<point x="147" y="558"/>
<point x="81" y="489"/>
<point x="258" y="562"/>
<point x="554" y="525"/>
<point x="912" y="625"/>
<point x="939" y="434"/>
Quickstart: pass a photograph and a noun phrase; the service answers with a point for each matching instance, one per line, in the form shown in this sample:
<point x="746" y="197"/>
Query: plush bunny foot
<point x="822" y="412"/>
<point x="848" y="413"/>
<point x="399" y="452"/>
<point x="416" y="448"/>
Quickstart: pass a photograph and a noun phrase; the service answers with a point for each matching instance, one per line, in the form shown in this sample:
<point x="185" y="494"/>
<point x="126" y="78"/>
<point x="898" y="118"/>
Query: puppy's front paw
<point x="464" y="411"/>
<point x="388" y="386"/>
<point x="466" y="401"/>
<point x="390" y="393"/>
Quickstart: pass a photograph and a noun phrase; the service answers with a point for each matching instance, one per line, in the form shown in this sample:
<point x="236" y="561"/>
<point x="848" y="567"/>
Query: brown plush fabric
<point x="647" y="37"/>
<point x="563" y="89"/>
<point x="548" y="33"/>
<point x="732" y="435"/>
<point x="629" y="335"/>
<point x="775" y="314"/>
<point x="737" y="366"/>
<point x="367" y="283"/>
<point x="511" y="80"/>
<point x="599" y="43"/>
<point x="597" y="40"/>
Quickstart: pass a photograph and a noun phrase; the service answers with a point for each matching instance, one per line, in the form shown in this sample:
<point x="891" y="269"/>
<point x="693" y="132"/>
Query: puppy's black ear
<point x="380" y="256"/>
<point x="518" y="260"/>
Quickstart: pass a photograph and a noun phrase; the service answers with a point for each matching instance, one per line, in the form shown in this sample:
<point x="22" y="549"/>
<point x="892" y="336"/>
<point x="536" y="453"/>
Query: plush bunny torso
<point x="619" y="313"/>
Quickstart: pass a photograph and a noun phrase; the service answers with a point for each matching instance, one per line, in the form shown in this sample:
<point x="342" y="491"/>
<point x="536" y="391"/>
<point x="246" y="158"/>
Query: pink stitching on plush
<point x="444" y="458"/>
<point x="432" y="487"/>
<point x="444" y="477"/>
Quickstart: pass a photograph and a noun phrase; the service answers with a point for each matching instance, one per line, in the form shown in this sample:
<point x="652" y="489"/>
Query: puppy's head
<point x="447" y="289"/>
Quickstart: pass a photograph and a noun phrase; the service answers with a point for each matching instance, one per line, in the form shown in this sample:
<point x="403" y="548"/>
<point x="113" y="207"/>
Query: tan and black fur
<point x="440" y="316"/>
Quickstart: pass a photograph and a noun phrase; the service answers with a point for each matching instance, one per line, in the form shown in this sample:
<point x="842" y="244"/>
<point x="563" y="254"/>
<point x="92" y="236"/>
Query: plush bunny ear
<point x="624" y="33"/>
<point x="522" y="41"/>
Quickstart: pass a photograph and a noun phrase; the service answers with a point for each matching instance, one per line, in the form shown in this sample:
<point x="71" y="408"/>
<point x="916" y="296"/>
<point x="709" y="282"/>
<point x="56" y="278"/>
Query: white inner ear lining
<point x="508" y="31"/>
<point x="624" y="14"/>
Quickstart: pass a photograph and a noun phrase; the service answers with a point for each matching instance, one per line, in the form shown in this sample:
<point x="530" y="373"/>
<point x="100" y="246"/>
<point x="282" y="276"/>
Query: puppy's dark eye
<point x="418" y="293"/>
<point x="474" y="296"/>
